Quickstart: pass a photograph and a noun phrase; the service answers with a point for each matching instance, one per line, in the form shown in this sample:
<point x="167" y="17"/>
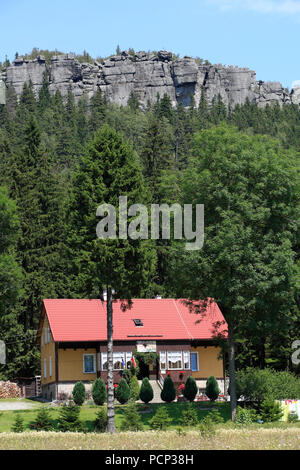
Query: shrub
<point x="270" y="411"/>
<point x="78" y="393"/>
<point x="132" y="420"/>
<point x="68" y="419"/>
<point x="43" y="421"/>
<point x="292" y="418"/>
<point x="206" y="427"/>
<point x="134" y="388"/>
<point x="160" y="420"/>
<point x="146" y="391"/>
<point x="100" y="422"/>
<point x="122" y="392"/>
<point x="245" y="416"/>
<point x="212" y="389"/>
<point x="215" y="416"/>
<point x="18" y="425"/>
<point x="168" y="392"/>
<point x="99" y="392"/>
<point x="189" y="416"/>
<point x="258" y="384"/>
<point x="190" y="389"/>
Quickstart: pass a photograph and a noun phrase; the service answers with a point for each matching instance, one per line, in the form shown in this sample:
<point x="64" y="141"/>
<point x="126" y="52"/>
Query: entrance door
<point x="194" y="361"/>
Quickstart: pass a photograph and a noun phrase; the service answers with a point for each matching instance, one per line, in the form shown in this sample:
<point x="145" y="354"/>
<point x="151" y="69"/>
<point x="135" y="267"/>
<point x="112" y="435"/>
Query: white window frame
<point x="103" y="360"/>
<point x="45" y="368"/>
<point x="122" y="356"/>
<point x="94" y="363"/>
<point x="175" y="368"/>
<point x="161" y="354"/>
<point x="50" y="366"/>
<point x="189" y="360"/>
<point x="128" y="356"/>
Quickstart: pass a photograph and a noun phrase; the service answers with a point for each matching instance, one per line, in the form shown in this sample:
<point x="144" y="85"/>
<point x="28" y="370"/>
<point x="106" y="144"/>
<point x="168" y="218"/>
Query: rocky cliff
<point x="147" y="75"/>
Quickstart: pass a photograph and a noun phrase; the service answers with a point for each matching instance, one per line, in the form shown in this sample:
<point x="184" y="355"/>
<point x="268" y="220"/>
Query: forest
<point x="241" y="163"/>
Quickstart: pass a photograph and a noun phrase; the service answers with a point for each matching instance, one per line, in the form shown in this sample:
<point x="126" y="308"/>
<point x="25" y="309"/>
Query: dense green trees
<point x="56" y="170"/>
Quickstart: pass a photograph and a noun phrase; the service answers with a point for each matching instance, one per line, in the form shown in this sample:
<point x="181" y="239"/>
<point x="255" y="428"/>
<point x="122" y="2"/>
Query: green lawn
<point x="88" y="413"/>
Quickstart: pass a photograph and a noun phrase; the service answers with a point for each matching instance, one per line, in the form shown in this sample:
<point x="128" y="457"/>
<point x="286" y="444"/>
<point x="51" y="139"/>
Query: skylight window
<point x="138" y="322"/>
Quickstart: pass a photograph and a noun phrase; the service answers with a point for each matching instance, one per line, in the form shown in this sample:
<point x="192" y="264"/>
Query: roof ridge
<point x="182" y="321"/>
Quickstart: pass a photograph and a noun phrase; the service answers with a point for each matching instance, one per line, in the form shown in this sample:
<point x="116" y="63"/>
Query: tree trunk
<point x="110" y="377"/>
<point x="232" y="387"/>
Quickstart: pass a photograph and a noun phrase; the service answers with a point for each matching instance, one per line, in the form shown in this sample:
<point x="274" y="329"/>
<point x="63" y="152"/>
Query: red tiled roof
<point x="165" y="319"/>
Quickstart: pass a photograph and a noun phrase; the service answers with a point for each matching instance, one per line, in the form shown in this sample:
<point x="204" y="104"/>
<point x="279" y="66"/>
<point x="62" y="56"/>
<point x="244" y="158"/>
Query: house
<point x="73" y="341"/>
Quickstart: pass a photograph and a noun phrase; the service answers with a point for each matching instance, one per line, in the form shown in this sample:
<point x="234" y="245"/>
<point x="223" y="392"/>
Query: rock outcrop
<point x="147" y="75"/>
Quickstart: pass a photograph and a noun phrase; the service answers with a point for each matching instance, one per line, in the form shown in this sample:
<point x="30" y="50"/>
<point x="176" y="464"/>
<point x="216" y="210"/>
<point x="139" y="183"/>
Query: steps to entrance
<point x="156" y="391"/>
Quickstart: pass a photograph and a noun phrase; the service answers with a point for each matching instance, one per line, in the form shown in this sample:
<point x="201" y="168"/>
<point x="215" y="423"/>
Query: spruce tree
<point x="99" y="391"/>
<point x="146" y="391"/>
<point x="212" y="388"/>
<point x="168" y="392"/>
<point x="108" y="170"/>
<point x="78" y="393"/>
<point x="122" y="392"/>
<point x="190" y="389"/>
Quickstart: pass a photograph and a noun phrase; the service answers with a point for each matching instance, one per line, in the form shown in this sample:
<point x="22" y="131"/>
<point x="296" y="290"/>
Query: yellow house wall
<point x="47" y="351"/>
<point x="71" y="364"/>
<point x="208" y="362"/>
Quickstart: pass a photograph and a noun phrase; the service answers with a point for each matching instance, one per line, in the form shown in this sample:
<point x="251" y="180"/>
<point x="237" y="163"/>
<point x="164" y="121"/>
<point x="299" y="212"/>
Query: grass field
<point x="225" y="439"/>
<point x="278" y="435"/>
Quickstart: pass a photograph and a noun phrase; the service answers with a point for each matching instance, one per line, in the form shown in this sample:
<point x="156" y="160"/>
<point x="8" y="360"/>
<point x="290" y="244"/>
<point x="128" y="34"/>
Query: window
<point x="128" y="359"/>
<point x="89" y="366"/>
<point x="194" y="361"/>
<point x="45" y="368"/>
<point x="119" y="361"/>
<point x="48" y="334"/>
<point x="174" y="360"/>
<point x="45" y="335"/>
<point x="186" y="359"/>
<point x="162" y="360"/>
<point x="98" y="362"/>
<point x="50" y="366"/>
<point x="104" y="361"/>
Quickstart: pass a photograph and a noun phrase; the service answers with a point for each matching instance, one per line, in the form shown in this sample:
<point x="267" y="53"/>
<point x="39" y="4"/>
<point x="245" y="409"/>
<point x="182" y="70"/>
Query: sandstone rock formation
<point x="147" y="75"/>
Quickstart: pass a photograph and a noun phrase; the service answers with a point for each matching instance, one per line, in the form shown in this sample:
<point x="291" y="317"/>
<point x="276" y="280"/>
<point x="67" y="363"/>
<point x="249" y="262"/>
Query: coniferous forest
<point x="241" y="163"/>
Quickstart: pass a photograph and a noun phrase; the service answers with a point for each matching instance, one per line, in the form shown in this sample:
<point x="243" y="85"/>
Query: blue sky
<point x="260" y="34"/>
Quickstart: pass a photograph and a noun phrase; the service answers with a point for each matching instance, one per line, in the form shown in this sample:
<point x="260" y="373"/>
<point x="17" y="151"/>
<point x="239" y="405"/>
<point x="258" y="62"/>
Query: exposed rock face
<point x="148" y="75"/>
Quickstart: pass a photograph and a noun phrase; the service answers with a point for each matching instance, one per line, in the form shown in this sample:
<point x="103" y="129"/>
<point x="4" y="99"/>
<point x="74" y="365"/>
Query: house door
<point x="194" y="361"/>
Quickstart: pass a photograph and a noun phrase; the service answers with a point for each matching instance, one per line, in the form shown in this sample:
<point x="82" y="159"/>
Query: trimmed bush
<point x="18" y="425"/>
<point x="190" y="389"/>
<point x="68" y="419"/>
<point x="100" y="422"/>
<point x="212" y="388"/>
<point x="270" y="411"/>
<point x="168" y="392"/>
<point x="78" y="393"/>
<point x="122" y="392"/>
<point x="43" y="421"/>
<point x="132" y="420"/>
<point x="99" y="392"/>
<point x="146" y="391"/>
<point x="160" y="420"/>
<point x="134" y="388"/>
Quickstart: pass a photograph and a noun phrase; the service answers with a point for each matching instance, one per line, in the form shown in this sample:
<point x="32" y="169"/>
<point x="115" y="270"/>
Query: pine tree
<point x="131" y="419"/>
<point x="18" y="425"/>
<point x="78" y="393"/>
<point x="146" y="391"/>
<point x="212" y="388"/>
<point x="99" y="391"/>
<point x="190" y="389"/>
<point x="122" y="392"/>
<point x="168" y="392"/>
<point x="68" y="419"/>
<point x="109" y="169"/>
